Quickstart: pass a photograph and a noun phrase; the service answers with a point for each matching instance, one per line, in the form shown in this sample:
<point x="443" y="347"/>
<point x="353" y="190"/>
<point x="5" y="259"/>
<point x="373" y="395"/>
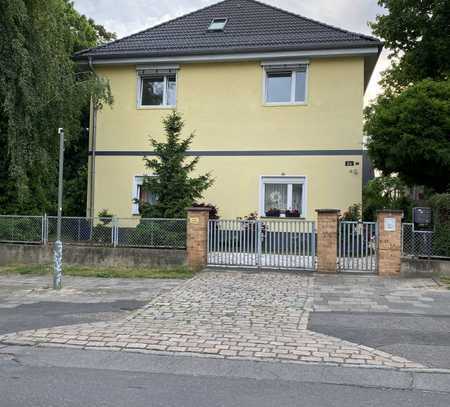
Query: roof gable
<point x="251" y="26"/>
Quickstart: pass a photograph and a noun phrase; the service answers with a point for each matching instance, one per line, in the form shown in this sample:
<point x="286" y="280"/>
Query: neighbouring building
<point x="275" y="100"/>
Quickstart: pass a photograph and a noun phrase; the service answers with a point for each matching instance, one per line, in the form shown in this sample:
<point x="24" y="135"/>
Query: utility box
<point x="423" y="219"/>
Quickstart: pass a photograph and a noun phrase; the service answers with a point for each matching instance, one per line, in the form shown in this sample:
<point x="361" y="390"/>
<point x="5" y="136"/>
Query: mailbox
<point x="423" y="219"/>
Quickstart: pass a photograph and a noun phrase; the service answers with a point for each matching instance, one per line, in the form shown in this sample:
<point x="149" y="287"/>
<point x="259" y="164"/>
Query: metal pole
<point x="57" y="273"/>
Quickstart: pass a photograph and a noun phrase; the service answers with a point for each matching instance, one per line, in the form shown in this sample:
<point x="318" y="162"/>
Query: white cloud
<point x="126" y="17"/>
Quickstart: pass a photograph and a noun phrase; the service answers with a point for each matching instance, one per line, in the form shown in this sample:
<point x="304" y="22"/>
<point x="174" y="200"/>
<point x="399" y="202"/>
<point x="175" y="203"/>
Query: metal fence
<point x="22" y="229"/>
<point x="424" y="243"/>
<point x="115" y="232"/>
<point x="357" y="246"/>
<point x="274" y="244"/>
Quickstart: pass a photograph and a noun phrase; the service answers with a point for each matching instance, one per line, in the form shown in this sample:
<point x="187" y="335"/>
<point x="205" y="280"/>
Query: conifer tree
<point x="171" y="181"/>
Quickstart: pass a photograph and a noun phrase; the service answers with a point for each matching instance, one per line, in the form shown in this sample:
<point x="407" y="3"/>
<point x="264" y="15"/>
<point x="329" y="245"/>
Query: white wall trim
<point x="157" y="67"/>
<point x="250" y="56"/>
<point x="284" y="179"/>
<point x="287" y="63"/>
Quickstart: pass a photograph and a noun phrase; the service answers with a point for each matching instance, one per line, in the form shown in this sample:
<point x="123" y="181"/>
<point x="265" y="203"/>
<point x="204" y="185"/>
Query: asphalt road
<point x="31" y="377"/>
<point x="47" y="314"/>
<point x="421" y="338"/>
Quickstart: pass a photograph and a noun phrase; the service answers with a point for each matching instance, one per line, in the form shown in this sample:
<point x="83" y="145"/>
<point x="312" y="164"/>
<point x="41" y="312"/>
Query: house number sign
<point x="194" y="221"/>
<point x="389" y="224"/>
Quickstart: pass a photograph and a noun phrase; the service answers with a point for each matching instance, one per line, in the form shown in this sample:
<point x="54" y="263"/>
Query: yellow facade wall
<point x="223" y="104"/>
<point x="236" y="188"/>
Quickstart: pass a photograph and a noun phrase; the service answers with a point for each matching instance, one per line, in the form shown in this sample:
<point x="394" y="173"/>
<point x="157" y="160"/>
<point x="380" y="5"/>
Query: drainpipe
<point x="93" y="147"/>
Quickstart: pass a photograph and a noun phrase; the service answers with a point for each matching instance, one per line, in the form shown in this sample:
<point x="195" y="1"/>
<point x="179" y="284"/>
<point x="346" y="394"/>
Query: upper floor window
<point x="157" y="88"/>
<point x="286" y="85"/>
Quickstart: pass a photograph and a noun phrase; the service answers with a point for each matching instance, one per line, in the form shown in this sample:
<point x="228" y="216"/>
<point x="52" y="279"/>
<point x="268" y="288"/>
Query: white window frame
<point x="286" y="67"/>
<point x="213" y="21"/>
<point x="138" y="180"/>
<point x="140" y="84"/>
<point x="283" y="179"/>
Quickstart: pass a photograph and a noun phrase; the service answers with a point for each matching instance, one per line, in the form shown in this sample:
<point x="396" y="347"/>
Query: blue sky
<point x="128" y="16"/>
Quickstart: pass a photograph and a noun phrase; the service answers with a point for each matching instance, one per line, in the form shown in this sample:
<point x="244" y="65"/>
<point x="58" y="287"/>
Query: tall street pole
<point x="58" y="248"/>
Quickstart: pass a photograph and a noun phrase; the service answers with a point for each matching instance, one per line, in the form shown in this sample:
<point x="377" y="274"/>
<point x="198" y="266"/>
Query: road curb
<point x="437" y="380"/>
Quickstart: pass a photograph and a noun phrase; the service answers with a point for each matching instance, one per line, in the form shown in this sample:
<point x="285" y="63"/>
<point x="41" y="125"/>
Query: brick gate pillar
<point x="389" y="241"/>
<point x="197" y="237"/>
<point x="327" y="236"/>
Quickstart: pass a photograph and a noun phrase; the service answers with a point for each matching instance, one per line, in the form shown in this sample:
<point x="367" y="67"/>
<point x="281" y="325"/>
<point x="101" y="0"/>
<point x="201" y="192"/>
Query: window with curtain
<point x="141" y="196"/>
<point x="275" y="196"/>
<point x="283" y="193"/>
<point x="158" y="90"/>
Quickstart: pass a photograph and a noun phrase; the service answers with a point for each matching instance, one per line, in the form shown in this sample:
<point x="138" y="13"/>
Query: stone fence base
<point x="413" y="267"/>
<point x="92" y="256"/>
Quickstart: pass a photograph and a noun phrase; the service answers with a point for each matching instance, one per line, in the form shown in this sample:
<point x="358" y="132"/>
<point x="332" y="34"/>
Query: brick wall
<point x="327" y="236"/>
<point x="389" y="242"/>
<point x="197" y="235"/>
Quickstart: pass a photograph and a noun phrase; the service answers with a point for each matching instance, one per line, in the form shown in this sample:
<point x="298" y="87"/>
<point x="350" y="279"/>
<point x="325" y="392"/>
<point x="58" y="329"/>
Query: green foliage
<point x="101" y="272"/>
<point x="213" y="210"/>
<point x="171" y="181"/>
<point x="385" y="193"/>
<point x="410" y="134"/>
<point x="105" y="217"/>
<point x="169" y="233"/>
<point x="441" y="212"/>
<point x="417" y="33"/>
<point x="20" y="229"/>
<point x="41" y="89"/>
<point x="353" y="213"/>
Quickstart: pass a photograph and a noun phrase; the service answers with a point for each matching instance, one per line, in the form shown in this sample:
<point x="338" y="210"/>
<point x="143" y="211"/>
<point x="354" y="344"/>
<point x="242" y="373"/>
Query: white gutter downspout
<point x="93" y="148"/>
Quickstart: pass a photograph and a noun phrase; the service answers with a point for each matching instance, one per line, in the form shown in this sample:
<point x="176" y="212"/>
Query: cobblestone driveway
<point x="238" y="315"/>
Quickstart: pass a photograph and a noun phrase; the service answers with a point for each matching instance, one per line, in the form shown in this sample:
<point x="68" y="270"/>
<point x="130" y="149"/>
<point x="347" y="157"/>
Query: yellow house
<point x="275" y="100"/>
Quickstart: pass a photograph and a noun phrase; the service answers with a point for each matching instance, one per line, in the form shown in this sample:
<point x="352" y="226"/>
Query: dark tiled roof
<point x="251" y="26"/>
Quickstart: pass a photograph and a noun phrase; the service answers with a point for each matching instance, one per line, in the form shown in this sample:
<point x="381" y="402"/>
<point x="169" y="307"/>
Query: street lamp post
<point x="58" y="248"/>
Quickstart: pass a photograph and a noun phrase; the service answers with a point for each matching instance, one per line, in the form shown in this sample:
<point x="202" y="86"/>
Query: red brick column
<point x="327" y="236"/>
<point x="389" y="241"/>
<point x="197" y="237"/>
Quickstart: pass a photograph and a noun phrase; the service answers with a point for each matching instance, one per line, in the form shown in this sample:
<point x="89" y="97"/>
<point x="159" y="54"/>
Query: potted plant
<point x="273" y="213"/>
<point x="293" y="213"/>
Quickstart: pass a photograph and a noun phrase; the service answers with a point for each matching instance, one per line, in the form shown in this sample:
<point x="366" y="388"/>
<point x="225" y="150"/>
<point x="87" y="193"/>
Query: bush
<point x="20" y="229"/>
<point x="213" y="210"/>
<point x="385" y="193"/>
<point x="155" y="233"/>
<point x="441" y="213"/>
<point x="353" y="213"/>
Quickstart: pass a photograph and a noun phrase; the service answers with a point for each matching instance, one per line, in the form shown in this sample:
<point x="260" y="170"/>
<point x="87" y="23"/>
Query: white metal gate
<point x="273" y="244"/>
<point x="358" y="247"/>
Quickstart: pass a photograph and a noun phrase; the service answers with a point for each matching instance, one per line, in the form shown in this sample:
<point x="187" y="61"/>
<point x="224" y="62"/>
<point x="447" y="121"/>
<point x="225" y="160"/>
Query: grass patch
<point x="101" y="272"/>
<point x="446" y="280"/>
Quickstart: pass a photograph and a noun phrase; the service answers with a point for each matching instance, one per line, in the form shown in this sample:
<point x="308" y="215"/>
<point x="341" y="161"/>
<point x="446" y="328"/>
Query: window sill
<point x="283" y="217"/>
<point x="285" y="104"/>
<point x="156" y="107"/>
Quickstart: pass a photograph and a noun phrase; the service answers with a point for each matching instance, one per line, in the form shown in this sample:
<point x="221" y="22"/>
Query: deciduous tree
<point x="410" y="134"/>
<point x="41" y="89"/>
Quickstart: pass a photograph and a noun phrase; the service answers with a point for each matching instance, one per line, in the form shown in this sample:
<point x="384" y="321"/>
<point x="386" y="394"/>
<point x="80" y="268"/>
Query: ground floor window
<point x="283" y="196"/>
<point x="140" y="195"/>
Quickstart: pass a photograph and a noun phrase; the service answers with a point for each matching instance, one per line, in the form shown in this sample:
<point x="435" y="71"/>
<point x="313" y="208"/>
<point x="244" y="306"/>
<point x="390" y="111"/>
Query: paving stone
<point x="252" y="316"/>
